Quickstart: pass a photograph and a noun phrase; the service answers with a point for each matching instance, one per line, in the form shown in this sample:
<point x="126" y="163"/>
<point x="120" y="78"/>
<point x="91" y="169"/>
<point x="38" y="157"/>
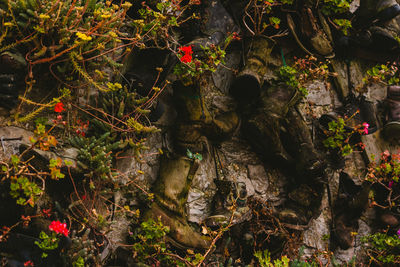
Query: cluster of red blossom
<point x="59" y="107"/>
<point x="186" y="52"/>
<point x="59" y="228"/>
<point x="82" y="127"/>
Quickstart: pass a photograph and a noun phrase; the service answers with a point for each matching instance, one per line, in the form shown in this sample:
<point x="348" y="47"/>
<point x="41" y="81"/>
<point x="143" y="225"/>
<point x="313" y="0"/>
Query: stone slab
<point x="375" y="144"/>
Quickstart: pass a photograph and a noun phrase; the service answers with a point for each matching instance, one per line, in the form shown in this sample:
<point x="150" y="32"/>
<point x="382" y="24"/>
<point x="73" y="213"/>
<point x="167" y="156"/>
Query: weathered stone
<point x="354" y="5"/>
<point x="198" y="205"/>
<point x="145" y="170"/>
<point x="119" y="228"/>
<point x="355" y="167"/>
<point x="354" y="253"/>
<point x="376" y="92"/>
<point x="258" y="178"/>
<point x="222" y="78"/>
<point x="375" y="144"/>
<point x="318" y="93"/>
<point x="202" y="191"/>
<point x="11" y="147"/>
<point x="315" y="237"/>
<point x="342" y="79"/>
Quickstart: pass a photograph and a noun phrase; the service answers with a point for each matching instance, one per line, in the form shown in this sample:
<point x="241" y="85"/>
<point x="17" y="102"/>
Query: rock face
<point x="11" y="147"/>
<point x="232" y="158"/>
<point x="241" y="164"/>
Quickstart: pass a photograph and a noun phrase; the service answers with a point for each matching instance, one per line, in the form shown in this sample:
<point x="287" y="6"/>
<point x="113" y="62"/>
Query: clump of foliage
<point x="382" y="248"/>
<point x="149" y="242"/>
<point x="302" y="72"/>
<point x="381" y="73"/>
<point x="47" y="242"/>
<point x="94" y="156"/>
<point x="289" y="76"/>
<point x="335" y="8"/>
<point x="259" y="16"/>
<point x="264" y="259"/>
<point x="83" y="251"/>
<point x="330" y="7"/>
<point x="24" y="189"/>
<point x="338" y="137"/>
<point x="189" y="69"/>
<point x="385" y="176"/>
<point x="388" y="169"/>
<point x="66" y="34"/>
<point x="123" y="115"/>
<point x="344" y="25"/>
<point x="77" y="40"/>
<point x="122" y="112"/>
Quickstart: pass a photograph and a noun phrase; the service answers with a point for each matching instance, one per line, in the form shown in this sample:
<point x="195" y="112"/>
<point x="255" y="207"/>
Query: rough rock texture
<point x="241" y="164"/>
<point x="238" y="160"/>
<point x="12" y="147"/>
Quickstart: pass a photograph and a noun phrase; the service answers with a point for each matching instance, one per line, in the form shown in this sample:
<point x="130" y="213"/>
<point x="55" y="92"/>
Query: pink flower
<point x="365" y="130"/>
<point x="398" y="233"/>
<point x="390" y="184"/>
<point x="59" y="228"/>
<point x="28" y="263"/>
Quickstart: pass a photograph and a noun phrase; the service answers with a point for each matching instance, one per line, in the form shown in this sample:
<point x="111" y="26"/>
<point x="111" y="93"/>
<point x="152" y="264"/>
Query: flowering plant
<point x="186" y="54"/>
<point x="338" y="137"/>
<point x="387" y="172"/>
<point x="50" y="242"/>
<point x="385" y="175"/>
<point x="59" y="228"/>
<point x="59" y="107"/>
<point x="383" y="74"/>
<point x="382" y="248"/>
<point x="190" y="69"/>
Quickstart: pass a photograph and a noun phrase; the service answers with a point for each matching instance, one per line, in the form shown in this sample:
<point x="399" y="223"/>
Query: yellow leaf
<point x="204" y="230"/>
<point x="52" y="140"/>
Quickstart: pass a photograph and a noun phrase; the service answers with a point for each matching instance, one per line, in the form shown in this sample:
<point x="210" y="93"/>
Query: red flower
<point x="186" y="49"/>
<point x="46" y="212"/>
<point x="195" y="2"/>
<point x="186" y="59"/>
<point x="235" y="36"/>
<point x="28" y="263"/>
<point x="187" y="54"/>
<point x="59" y="107"/>
<point x="59" y="228"/>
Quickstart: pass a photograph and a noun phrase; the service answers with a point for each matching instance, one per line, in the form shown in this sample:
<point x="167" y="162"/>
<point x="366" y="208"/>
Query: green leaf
<point x="198" y="156"/>
<point x="15" y="160"/>
<point x="189" y="154"/>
